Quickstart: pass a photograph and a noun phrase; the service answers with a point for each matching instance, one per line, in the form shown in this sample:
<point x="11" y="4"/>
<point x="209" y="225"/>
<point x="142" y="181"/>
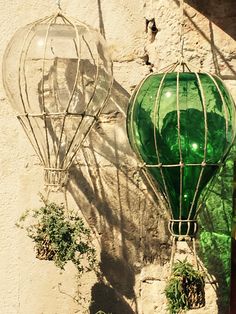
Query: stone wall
<point x="128" y="221"/>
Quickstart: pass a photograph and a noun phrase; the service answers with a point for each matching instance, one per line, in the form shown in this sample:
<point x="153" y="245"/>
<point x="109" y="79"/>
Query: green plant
<point x="59" y="236"/>
<point x="185" y="288"/>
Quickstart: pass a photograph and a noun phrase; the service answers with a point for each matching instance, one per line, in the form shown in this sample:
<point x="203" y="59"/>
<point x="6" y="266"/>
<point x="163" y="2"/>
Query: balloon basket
<point x="55" y="178"/>
<point x="45" y="252"/>
<point x="185" y="288"/>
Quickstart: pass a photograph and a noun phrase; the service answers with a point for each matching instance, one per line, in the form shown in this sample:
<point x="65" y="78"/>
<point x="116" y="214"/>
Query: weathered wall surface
<point x="128" y="221"/>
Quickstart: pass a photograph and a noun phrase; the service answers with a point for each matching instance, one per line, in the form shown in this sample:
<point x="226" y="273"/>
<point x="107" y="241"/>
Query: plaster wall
<point x="128" y="222"/>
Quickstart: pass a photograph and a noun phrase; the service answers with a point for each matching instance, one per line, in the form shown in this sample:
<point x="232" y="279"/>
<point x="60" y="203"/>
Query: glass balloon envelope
<point x="57" y="73"/>
<point x="182" y="126"/>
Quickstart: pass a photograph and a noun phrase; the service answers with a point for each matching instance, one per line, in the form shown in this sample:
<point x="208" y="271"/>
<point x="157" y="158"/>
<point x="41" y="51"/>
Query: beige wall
<point x="129" y="224"/>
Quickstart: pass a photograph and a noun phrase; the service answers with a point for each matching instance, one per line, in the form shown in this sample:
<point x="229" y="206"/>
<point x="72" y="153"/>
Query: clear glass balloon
<point x="57" y="73"/>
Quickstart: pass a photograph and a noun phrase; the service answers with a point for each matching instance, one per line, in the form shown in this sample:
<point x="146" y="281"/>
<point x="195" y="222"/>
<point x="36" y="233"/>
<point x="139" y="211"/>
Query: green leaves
<point x="185" y="288"/>
<point x="59" y="236"/>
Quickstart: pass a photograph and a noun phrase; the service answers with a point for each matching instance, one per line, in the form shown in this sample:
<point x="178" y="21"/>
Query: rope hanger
<point x="59" y="5"/>
<point x="181" y="37"/>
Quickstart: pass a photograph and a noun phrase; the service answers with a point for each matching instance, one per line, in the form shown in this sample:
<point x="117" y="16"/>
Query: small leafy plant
<point x="59" y="236"/>
<point x="185" y="288"/>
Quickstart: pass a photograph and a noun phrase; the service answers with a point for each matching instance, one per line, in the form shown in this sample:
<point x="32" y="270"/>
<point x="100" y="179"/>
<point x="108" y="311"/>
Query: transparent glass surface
<point x="187" y="119"/>
<point x="63" y="70"/>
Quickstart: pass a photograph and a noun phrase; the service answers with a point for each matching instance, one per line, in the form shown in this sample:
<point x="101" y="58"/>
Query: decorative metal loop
<point x="183" y="229"/>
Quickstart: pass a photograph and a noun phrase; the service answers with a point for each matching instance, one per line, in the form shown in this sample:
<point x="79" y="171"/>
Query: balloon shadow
<point x="114" y="197"/>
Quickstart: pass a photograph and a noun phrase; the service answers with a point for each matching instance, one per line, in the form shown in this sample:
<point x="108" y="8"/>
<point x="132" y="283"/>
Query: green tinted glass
<point x="183" y="122"/>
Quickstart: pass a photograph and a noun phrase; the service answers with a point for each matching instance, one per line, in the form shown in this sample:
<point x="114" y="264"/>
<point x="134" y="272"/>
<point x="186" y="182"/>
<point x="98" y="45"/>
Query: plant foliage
<point x="185" y="288"/>
<point x="215" y="221"/>
<point x="59" y="236"/>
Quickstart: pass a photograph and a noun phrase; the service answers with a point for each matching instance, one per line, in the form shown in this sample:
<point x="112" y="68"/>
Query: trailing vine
<point x="59" y="236"/>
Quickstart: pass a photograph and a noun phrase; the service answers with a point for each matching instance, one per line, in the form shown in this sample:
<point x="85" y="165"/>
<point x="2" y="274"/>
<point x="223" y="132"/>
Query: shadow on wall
<point x="109" y="302"/>
<point x="129" y="221"/>
<point x="223" y="14"/>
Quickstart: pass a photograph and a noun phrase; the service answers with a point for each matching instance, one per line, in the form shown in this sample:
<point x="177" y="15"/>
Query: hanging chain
<point x="181" y="44"/>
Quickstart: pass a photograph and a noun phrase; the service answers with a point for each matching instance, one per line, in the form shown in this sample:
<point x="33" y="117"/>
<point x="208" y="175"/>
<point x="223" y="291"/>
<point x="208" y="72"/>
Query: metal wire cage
<point x="181" y="125"/>
<point x="57" y="73"/>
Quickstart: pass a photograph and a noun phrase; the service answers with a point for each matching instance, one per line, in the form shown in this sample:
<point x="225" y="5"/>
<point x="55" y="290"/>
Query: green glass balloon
<point x="181" y="125"/>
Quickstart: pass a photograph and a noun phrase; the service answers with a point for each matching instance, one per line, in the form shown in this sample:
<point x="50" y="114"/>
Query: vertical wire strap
<point x="66" y="201"/>
<point x="78" y="51"/>
<point x="48" y="164"/>
<point x="173" y="251"/>
<point x="195" y="254"/>
<point x="103" y="104"/>
<point x="23" y="56"/>
<point x="135" y="94"/>
<point x="203" y="101"/>
<point x="226" y="130"/>
<point x="48" y="191"/>
<point x="223" y="103"/>
<point x="180" y="152"/>
<point x="77" y="48"/>
<point x="154" y="188"/>
<point x="93" y="122"/>
<point x="96" y="64"/>
<point x="155" y="110"/>
<point x="25" y="128"/>
<point x="210" y="185"/>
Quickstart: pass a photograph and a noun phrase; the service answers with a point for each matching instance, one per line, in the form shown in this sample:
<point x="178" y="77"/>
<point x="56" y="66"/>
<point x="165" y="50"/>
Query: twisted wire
<point x="59" y="4"/>
<point x="181" y="37"/>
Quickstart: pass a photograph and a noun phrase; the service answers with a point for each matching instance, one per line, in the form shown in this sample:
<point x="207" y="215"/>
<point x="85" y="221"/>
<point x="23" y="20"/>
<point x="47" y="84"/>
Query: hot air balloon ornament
<point x="57" y="73"/>
<point x="182" y="126"/>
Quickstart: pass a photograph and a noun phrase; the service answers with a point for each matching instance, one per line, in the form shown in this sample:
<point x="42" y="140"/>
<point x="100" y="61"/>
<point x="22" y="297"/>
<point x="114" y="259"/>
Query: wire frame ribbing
<point x="57" y="73"/>
<point x="182" y="126"/>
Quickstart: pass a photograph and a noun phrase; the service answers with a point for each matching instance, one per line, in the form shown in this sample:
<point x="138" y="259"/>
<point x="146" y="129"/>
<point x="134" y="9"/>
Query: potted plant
<point x="59" y="236"/>
<point x="185" y="288"/>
